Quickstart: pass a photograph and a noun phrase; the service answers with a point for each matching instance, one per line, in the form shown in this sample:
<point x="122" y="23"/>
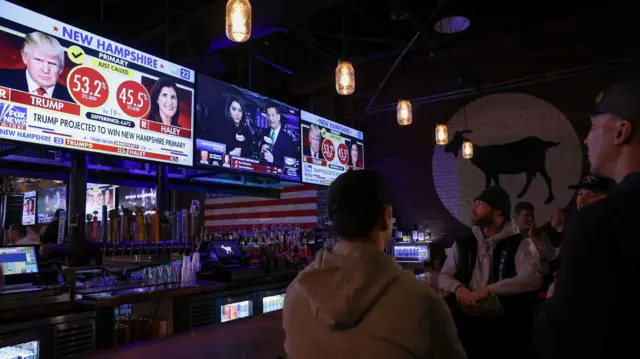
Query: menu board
<point x="29" y="209"/>
<point x="64" y="87"/>
<point x="328" y="149"/>
<point x="244" y="131"/>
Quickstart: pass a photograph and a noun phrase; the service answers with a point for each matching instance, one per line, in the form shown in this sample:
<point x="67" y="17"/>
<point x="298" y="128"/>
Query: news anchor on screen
<point x="277" y="143"/>
<point x="238" y="136"/>
<point x="315" y="138"/>
<point x="165" y="104"/>
<point x="44" y="57"/>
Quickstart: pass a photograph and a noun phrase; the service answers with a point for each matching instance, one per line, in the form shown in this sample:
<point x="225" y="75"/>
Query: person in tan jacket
<point x="355" y="301"/>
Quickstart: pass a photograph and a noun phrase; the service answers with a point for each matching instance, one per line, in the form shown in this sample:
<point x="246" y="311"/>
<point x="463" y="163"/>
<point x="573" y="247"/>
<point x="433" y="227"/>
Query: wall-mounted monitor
<point x="99" y="195"/>
<point x="50" y="200"/>
<point x="328" y="149"/>
<point x="64" y="87"/>
<point x="132" y="197"/>
<point x="243" y="131"/>
<point x="29" y="209"/>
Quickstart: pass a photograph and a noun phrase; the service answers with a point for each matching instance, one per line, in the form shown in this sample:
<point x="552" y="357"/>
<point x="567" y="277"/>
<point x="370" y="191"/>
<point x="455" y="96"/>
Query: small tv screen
<point x="29" y="209"/>
<point x="244" y="131"/>
<point x="132" y="197"/>
<point x="50" y="200"/>
<point x="99" y="195"/>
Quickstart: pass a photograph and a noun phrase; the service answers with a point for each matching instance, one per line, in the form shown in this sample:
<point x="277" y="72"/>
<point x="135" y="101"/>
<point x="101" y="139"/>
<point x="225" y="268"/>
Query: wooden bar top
<point x="256" y="338"/>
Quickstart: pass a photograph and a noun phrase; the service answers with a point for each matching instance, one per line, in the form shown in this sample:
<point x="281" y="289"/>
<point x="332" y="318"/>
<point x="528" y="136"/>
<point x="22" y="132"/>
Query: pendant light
<point x="238" y="20"/>
<point x="345" y="78"/>
<point x="405" y="113"/>
<point x="467" y="146"/>
<point x="442" y="134"/>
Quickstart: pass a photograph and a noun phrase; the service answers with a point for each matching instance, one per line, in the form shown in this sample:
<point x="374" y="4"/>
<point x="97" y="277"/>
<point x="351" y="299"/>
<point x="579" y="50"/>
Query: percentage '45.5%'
<point x="133" y="99"/>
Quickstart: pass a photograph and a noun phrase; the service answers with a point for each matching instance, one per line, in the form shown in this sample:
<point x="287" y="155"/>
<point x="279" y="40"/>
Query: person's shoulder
<point x="8" y="76"/>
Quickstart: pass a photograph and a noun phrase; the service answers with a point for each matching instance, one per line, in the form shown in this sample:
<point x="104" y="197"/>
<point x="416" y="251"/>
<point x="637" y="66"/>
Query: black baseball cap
<point x="357" y="191"/>
<point x="497" y="198"/>
<point x="594" y="183"/>
<point x="622" y="99"/>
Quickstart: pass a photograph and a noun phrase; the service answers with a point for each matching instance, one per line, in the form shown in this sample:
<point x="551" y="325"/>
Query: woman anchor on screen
<point x="165" y="105"/>
<point x="237" y="136"/>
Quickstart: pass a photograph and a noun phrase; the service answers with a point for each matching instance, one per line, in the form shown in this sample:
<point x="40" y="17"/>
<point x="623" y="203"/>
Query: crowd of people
<point x="514" y="290"/>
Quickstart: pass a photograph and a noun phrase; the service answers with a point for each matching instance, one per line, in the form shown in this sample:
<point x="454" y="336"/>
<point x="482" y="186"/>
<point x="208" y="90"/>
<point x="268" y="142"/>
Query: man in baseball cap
<point x="493" y="273"/>
<point x="591" y="188"/>
<point x="355" y="301"/>
<point x="591" y="308"/>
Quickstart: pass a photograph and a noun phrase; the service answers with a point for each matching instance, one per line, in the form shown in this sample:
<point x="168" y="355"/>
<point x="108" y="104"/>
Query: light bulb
<point x="345" y="78"/>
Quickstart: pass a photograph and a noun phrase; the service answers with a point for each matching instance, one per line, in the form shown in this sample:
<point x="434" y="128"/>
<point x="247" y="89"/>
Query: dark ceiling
<point x="296" y="43"/>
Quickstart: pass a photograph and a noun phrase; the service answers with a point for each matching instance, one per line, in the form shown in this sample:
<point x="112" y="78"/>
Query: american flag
<point x="297" y="206"/>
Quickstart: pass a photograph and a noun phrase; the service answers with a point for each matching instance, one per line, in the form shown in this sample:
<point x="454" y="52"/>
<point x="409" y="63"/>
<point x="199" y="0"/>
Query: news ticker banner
<point x="334" y="149"/>
<point x="105" y="104"/>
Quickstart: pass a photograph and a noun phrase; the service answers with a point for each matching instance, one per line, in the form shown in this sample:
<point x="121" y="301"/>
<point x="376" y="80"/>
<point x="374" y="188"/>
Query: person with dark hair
<point x="591" y="313"/>
<point x="276" y="142"/>
<point x="493" y="273"/>
<point x="50" y="234"/>
<point x="238" y="137"/>
<point x="557" y="224"/>
<point x="18" y="235"/>
<point x="355" y="301"/>
<point x="165" y="103"/>
<point x="591" y="188"/>
<point x="525" y="218"/>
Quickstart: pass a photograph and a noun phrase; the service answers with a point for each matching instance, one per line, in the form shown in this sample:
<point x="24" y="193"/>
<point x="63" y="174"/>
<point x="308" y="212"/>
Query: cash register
<point x="229" y="265"/>
<point x="25" y="284"/>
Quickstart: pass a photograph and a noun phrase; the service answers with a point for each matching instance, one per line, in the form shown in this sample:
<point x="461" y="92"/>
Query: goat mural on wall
<point x="527" y="155"/>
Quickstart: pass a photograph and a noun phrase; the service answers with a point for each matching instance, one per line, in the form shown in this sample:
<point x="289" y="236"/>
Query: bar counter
<point x="255" y="338"/>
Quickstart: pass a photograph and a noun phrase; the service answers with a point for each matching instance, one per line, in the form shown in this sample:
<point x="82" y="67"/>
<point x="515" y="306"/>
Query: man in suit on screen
<point x="277" y="143"/>
<point x="44" y="57"/>
<point x="315" y="139"/>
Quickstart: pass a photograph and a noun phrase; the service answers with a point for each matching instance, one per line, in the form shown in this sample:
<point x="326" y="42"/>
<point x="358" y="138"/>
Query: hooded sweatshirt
<point x="356" y="302"/>
<point x="527" y="262"/>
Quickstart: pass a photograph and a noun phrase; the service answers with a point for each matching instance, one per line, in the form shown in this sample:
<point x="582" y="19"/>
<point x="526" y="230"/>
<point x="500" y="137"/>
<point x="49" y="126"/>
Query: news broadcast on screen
<point x="64" y="87"/>
<point x="328" y="149"/>
<point x="29" y="209"/>
<point x="244" y="131"/>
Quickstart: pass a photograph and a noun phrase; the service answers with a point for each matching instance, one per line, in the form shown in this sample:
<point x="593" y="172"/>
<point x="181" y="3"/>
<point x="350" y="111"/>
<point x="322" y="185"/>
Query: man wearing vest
<point x="493" y="274"/>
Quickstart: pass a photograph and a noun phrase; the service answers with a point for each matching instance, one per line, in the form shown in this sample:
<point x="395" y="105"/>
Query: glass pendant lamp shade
<point x="467" y="149"/>
<point x="442" y="134"/>
<point x="345" y="78"/>
<point x="405" y="113"/>
<point x="238" y="20"/>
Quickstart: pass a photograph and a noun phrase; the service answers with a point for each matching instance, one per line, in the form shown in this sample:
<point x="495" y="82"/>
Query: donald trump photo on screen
<point x="44" y="57"/>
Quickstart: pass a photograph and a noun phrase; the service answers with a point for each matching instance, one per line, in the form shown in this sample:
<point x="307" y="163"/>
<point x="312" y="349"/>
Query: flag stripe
<point x="261" y="215"/>
<point x="258" y="209"/>
<point x="287" y="195"/>
<point x="258" y="202"/>
<point x="261" y="221"/>
<point x="251" y="226"/>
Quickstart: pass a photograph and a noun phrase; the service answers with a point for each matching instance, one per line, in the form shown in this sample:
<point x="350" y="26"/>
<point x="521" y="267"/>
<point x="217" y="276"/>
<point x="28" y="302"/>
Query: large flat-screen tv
<point x="29" y="209"/>
<point x="99" y="195"/>
<point x="62" y="86"/>
<point x="244" y="131"/>
<point x="131" y="197"/>
<point x="328" y="149"/>
<point x="50" y="200"/>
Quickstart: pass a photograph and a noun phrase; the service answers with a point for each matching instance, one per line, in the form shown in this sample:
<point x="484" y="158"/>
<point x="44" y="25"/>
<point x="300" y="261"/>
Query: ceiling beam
<point x="378" y="40"/>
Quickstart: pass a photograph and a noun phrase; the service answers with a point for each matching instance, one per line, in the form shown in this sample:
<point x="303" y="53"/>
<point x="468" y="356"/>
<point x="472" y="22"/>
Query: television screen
<point x="29" y="209"/>
<point x="99" y="195"/>
<point x="244" y="131"/>
<point x="131" y="197"/>
<point x="50" y="200"/>
<point x="65" y="87"/>
<point x="328" y="149"/>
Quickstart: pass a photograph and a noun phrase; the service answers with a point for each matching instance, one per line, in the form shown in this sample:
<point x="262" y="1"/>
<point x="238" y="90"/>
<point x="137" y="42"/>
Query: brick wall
<point x="439" y="191"/>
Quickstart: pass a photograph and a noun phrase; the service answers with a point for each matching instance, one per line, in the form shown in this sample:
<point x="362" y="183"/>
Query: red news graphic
<point x="328" y="150"/>
<point x="88" y="87"/>
<point x="133" y="99"/>
<point x="164" y="129"/>
<point x="129" y="152"/>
